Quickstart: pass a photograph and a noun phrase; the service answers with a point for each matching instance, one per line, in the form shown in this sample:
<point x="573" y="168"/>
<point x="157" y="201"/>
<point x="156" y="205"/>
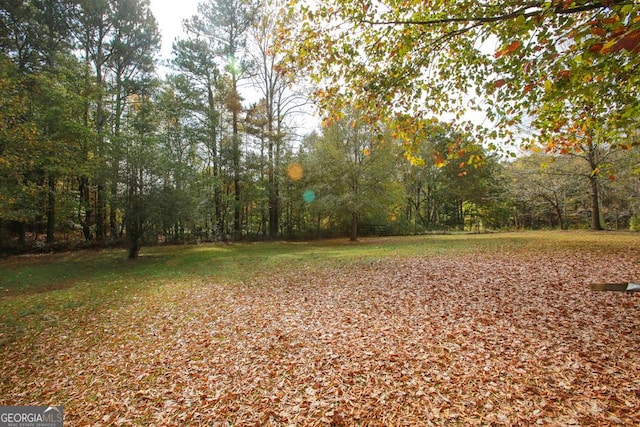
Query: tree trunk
<point x="354" y="227"/>
<point x="274" y="167"/>
<point x="101" y="205"/>
<point x="555" y="202"/>
<point x="593" y="157"/>
<point x="237" y="208"/>
<point x="596" y="224"/>
<point x="51" y="210"/>
<point x="101" y="212"/>
<point x="115" y="154"/>
<point x="217" y="221"/>
<point x="84" y="188"/>
<point x="560" y="217"/>
<point x="273" y="191"/>
<point x="133" y="222"/>
<point x="134" y="247"/>
<point x="85" y="205"/>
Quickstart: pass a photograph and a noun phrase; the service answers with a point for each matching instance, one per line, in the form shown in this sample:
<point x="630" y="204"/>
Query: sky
<point x="170" y="14"/>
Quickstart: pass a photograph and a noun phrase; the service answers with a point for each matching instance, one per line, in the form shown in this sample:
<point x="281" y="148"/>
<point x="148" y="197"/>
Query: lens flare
<point x="309" y="196"/>
<point x="295" y="172"/>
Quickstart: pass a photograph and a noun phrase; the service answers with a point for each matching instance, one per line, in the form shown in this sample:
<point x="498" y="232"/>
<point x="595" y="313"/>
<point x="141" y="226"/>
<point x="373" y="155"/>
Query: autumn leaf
<point x="499" y="83"/>
<point x="439" y="161"/>
<point x="513" y="46"/>
<point x="630" y="42"/>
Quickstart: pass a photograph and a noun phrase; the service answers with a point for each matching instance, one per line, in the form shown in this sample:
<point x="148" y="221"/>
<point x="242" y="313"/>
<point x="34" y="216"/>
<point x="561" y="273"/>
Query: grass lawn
<point x="494" y="329"/>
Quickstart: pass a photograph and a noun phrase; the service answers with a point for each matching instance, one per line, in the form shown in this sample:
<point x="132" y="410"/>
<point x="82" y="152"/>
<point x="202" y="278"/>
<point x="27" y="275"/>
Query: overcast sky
<point x="170" y="14"/>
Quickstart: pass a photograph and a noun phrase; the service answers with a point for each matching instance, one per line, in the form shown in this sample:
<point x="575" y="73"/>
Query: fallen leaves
<point x="505" y="338"/>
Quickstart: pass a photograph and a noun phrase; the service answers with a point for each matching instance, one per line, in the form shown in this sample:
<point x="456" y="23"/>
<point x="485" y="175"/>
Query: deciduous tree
<point x="569" y="65"/>
<point x="416" y="56"/>
<point x="279" y="100"/>
<point x="354" y="166"/>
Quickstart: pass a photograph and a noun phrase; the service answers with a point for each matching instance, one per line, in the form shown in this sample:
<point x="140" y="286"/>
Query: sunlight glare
<point x="309" y="196"/>
<point x="295" y="172"/>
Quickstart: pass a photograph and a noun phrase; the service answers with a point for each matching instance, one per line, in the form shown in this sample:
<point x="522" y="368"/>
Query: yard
<point x="497" y="329"/>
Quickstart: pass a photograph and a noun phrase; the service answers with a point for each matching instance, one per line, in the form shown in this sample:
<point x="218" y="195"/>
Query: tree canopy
<point x="512" y="60"/>
<point x="95" y="142"/>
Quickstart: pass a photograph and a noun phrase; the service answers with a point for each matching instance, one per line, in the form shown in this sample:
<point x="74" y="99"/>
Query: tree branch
<point x="522" y="11"/>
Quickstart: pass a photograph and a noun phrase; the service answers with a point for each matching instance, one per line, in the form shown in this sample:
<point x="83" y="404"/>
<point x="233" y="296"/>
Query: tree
<point x="60" y="107"/>
<point x="548" y="187"/>
<point x="38" y="39"/>
<point x="18" y="34"/>
<point x="629" y="177"/>
<point x="135" y="40"/>
<point x="95" y="27"/>
<point x="224" y="24"/>
<point x="143" y="172"/>
<point x="118" y="40"/>
<point x="620" y="190"/>
<point x="569" y="65"/>
<point x="454" y="180"/>
<point x="420" y="56"/>
<point x="180" y="161"/>
<point x="199" y="85"/>
<point x="352" y="174"/>
<point x="583" y="104"/>
<point x="278" y="102"/>
<point x="18" y="137"/>
<point x="57" y="103"/>
<point x="553" y="190"/>
<point x="214" y="53"/>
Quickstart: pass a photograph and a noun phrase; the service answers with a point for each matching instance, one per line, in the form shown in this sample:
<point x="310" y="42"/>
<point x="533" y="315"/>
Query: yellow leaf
<point x="608" y="45"/>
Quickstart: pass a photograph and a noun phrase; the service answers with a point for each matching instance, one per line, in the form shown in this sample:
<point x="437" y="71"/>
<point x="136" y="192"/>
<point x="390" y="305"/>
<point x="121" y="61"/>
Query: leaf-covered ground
<point x="504" y="337"/>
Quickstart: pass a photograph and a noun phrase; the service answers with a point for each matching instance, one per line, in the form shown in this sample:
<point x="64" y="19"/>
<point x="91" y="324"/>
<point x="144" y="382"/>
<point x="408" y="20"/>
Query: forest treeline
<point x="98" y="144"/>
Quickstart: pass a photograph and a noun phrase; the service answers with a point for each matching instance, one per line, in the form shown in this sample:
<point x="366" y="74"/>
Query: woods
<point x="101" y="144"/>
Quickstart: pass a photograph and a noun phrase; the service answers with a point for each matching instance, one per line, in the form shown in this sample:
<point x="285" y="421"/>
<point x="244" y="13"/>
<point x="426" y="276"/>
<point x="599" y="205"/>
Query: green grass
<point x="41" y="291"/>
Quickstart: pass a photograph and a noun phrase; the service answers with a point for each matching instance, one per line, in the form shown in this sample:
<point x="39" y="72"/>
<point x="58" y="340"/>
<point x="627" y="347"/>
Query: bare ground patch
<point x="506" y="338"/>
